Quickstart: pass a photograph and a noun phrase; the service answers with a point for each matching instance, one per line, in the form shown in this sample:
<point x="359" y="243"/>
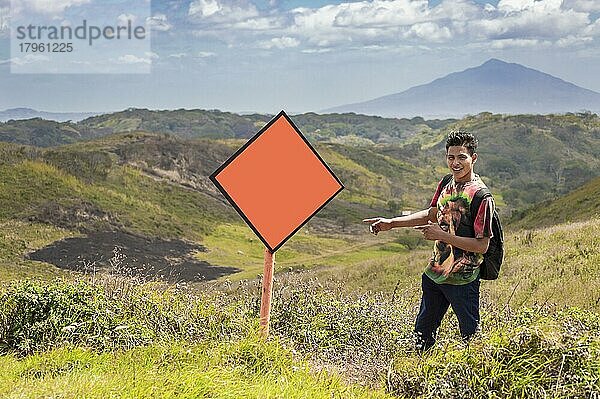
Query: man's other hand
<point x="378" y="224"/>
<point x="432" y="231"/>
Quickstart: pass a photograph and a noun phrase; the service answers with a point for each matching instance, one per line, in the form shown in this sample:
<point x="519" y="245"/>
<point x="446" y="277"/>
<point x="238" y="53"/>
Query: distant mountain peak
<point x="495" y="86"/>
<point x="29" y="113"/>
<point x="21" y="109"/>
<point x="496" y="61"/>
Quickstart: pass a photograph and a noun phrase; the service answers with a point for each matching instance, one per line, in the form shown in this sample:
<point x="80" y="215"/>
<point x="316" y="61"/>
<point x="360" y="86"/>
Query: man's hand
<point x="378" y="224"/>
<point x="432" y="231"/>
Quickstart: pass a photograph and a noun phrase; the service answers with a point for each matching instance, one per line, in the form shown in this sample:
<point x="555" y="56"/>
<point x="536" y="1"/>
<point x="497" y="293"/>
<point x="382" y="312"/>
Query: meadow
<point x="344" y="301"/>
<point x="341" y="327"/>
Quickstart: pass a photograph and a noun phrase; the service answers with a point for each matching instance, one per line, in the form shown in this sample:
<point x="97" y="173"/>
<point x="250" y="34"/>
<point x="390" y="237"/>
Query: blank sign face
<point x="277" y="181"/>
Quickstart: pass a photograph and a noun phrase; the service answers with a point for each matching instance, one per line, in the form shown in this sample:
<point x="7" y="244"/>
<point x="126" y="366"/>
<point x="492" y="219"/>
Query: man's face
<point x="460" y="163"/>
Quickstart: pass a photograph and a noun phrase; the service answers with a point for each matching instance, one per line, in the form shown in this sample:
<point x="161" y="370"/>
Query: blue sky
<point x="268" y="55"/>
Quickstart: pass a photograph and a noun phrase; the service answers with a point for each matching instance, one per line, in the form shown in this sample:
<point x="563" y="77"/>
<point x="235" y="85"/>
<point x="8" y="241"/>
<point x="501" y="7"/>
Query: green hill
<point x="329" y="327"/>
<point x="580" y="205"/>
<point x="156" y="185"/>
<point x="217" y="124"/>
<point x="43" y="133"/>
<point x="190" y="124"/>
<point x="523" y="158"/>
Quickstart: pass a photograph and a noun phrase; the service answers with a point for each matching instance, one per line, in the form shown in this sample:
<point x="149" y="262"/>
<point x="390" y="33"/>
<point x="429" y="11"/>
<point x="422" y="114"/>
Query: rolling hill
<point x="524" y="157"/>
<point x="189" y="124"/>
<point x="153" y="189"/>
<point x="579" y="205"/>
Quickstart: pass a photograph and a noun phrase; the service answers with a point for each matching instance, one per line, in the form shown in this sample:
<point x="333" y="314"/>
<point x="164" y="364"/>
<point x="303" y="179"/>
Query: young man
<point x="452" y="275"/>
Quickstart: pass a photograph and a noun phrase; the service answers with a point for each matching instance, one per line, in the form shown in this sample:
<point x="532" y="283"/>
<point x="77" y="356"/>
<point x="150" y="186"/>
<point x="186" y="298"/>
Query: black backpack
<point x="492" y="259"/>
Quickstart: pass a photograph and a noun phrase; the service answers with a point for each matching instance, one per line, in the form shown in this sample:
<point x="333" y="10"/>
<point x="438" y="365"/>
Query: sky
<point x="296" y="55"/>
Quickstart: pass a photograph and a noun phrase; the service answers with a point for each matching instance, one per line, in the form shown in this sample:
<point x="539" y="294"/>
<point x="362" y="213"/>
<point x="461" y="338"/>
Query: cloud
<point x="593" y="29"/>
<point x="376" y="13"/>
<point x="158" y="22"/>
<point x="123" y="19"/>
<point x="582" y="5"/>
<point x="206" y="54"/>
<point x="132" y="59"/>
<point x="4" y="18"/>
<point x="396" y="23"/>
<point x="540" y="22"/>
<point x="280" y="43"/>
<point x="515" y="43"/>
<point x="29" y="59"/>
<point x="269" y="23"/>
<point x="51" y="7"/>
<point x="316" y="50"/>
<point x="573" y="41"/>
<point x="152" y="55"/>
<point x="429" y="31"/>
<point x="509" y="6"/>
<point x="221" y="11"/>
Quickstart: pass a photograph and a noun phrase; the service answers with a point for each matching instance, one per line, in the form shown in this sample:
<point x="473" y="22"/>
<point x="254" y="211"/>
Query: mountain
<point x="495" y="86"/>
<point x="28" y="113"/>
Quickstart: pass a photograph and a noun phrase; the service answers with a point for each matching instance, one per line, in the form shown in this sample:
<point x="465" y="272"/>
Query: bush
<point x="535" y="353"/>
<point x="36" y="316"/>
<point x="112" y="313"/>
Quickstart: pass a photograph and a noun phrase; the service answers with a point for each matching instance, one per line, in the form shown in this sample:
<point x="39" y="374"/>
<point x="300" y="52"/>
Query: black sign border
<point x="213" y="178"/>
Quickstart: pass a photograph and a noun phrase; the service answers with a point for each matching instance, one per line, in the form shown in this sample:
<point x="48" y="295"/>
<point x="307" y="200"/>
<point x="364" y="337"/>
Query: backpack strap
<point x="446" y="179"/>
<point x="479" y="196"/>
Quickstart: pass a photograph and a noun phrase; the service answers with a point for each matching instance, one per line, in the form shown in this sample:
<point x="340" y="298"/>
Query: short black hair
<point x="462" y="138"/>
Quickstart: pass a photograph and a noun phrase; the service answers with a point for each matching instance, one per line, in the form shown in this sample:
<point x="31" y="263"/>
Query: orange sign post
<point x="267" y="290"/>
<point x="276" y="182"/>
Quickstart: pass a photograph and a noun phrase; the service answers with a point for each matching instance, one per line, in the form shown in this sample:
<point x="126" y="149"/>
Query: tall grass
<point x="543" y="351"/>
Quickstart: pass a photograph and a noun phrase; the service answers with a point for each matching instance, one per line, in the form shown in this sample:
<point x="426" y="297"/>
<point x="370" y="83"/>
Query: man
<point x="452" y="275"/>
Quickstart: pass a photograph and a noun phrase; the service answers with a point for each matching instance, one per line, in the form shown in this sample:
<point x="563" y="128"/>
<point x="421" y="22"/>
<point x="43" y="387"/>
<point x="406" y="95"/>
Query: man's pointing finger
<point x="372" y="220"/>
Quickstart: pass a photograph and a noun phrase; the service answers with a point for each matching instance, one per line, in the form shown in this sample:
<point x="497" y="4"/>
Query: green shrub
<point x="112" y="313"/>
<point x="37" y="316"/>
<point x="535" y="353"/>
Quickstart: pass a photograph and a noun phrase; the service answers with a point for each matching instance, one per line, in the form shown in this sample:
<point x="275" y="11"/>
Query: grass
<point x="85" y="341"/>
<point x="245" y="369"/>
<point x="114" y="336"/>
<point x="136" y="202"/>
<point x="557" y="264"/>
<point x="582" y="204"/>
<point x="234" y="244"/>
<point x="18" y="238"/>
<point x="552" y="265"/>
<point x="343" y="307"/>
<point x="535" y="353"/>
<point x="157" y="208"/>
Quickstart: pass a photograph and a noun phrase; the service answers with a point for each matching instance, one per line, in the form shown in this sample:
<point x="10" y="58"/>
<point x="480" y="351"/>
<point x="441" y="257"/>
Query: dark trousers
<point x="464" y="300"/>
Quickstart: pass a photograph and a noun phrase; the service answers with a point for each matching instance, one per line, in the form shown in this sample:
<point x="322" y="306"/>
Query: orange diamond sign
<point x="277" y="181"/>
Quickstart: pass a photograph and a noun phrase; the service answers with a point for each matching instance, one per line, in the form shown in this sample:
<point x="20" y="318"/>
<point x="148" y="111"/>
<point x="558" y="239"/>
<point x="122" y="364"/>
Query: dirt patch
<point x="128" y="254"/>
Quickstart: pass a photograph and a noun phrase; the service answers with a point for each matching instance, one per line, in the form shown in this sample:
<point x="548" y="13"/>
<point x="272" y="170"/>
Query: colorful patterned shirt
<point x="448" y="264"/>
